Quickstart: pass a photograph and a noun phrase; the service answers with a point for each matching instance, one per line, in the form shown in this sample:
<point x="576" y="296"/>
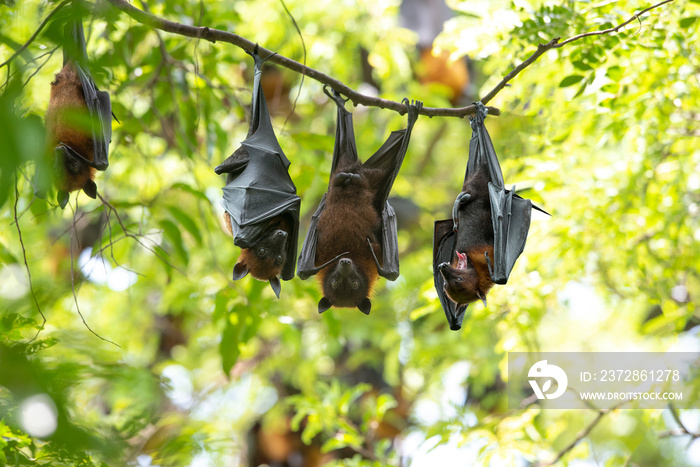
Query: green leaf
<point x="570" y="80"/>
<point x="172" y="233"/>
<point x="314" y="142"/>
<point x="187" y="222"/>
<point x="228" y="347"/>
<point x="581" y="65"/>
<point x="332" y="444"/>
<point x="385" y="402"/>
<point x="190" y="190"/>
<point x="615" y="73"/>
<point x="687" y="22"/>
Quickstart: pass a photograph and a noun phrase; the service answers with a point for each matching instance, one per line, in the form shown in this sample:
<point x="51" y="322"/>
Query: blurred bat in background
<point x="78" y="120"/>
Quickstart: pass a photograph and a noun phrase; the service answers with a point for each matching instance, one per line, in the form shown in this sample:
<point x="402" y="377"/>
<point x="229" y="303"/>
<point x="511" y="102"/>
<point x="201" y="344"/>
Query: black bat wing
<point x="100" y="108"/>
<point x="234" y="164"/>
<point x="389" y="158"/>
<point x="444" y="240"/>
<point x="262" y="188"/>
<point x="307" y="258"/>
<point x="511" y="222"/>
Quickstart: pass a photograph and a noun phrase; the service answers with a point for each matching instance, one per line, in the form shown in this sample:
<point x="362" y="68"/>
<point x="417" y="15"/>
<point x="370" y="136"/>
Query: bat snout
<point x="345" y="263"/>
<point x="444" y="269"/>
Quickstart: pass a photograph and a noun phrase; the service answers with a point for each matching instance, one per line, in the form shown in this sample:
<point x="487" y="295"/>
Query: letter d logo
<point x="542" y="370"/>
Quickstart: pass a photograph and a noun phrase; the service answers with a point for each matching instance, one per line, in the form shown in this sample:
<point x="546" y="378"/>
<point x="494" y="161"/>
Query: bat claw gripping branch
<point x="335" y="96"/>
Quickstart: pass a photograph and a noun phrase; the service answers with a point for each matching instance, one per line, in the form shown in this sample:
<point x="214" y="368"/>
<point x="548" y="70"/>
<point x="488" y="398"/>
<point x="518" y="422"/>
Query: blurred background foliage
<point x="603" y="133"/>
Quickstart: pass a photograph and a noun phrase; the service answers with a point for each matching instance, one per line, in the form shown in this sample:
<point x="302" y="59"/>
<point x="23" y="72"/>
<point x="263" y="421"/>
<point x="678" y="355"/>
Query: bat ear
<point x="365" y="306"/>
<point x="90" y="189"/>
<point x="62" y="198"/>
<point x="323" y="305"/>
<point x="240" y="270"/>
<point x="276" y="286"/>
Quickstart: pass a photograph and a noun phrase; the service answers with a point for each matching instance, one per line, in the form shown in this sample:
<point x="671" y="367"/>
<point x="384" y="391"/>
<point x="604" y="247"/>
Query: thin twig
<point x="74" y="237"/>
<point x="555" y="44"/>
<point x="27" y="63"/>
<point x="616" y="28"/>
<point x="683" y="430"/>
<point x="541" y="49"/>
<point x="303" y="44"/>
<point x="582" y="434"/>
<point x="36" y="33"/>
<point x="135" y="237"/>
<point x="26" y="264"/>
<point x="38" y="69"/>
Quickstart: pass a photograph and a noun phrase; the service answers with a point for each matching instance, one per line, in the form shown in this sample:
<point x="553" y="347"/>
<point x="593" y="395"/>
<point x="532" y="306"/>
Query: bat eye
<point x="458" y="279"/>
<point x="261" y="252"/>
<point x="335" y="283"/>
<point x="73" y="167"/>
<point x="355" y="285"/>
<point x="278" y="260"/>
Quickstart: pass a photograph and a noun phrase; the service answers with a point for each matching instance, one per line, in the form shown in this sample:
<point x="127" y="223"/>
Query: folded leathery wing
<point x="352" y="236"/>
<point x="262" y="207"/>
<point x="79" y="143"/>
<point x="478" y="247"/>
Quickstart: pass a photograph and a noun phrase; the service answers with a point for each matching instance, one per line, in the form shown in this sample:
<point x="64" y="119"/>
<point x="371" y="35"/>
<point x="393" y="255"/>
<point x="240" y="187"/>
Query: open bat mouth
<point x="462" y="261"/>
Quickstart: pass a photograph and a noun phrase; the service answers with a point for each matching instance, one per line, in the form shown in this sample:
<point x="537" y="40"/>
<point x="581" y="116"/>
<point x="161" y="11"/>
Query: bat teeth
<point x="462" y="263"/>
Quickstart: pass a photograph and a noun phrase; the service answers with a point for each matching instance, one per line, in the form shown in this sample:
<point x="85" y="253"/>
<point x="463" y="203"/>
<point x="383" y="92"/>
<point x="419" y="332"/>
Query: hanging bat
<point x="262" y="207"/>
<point x="78" y="120"/>
<point x="354" y="224"/>
<point x="478" y="247"/>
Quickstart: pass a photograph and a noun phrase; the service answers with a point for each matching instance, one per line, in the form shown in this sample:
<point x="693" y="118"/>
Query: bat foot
<point x="345" y="178"/>
<point x="461" y="198"/>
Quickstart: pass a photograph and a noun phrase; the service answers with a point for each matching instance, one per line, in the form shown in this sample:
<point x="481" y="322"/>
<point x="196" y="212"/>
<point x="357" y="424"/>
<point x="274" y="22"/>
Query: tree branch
<point x="555" y="44"/>
<point x="541" y="49"/>
<point x="215" y="35"/>
<point x="616" y="28"/>
<point x="682" y="429"/>
<point x="582" y="434"/>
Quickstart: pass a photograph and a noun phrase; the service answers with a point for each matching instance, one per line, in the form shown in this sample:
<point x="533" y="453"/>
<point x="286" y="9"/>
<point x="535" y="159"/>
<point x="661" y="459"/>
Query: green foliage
<point x="602" y="133"/>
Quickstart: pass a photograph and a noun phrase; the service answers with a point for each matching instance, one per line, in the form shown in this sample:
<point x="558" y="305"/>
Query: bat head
<point x="265" y="260"/>
<point x="345" y="285"/>
<point x="73" y="174"/>
<point x="462" y="285"/>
